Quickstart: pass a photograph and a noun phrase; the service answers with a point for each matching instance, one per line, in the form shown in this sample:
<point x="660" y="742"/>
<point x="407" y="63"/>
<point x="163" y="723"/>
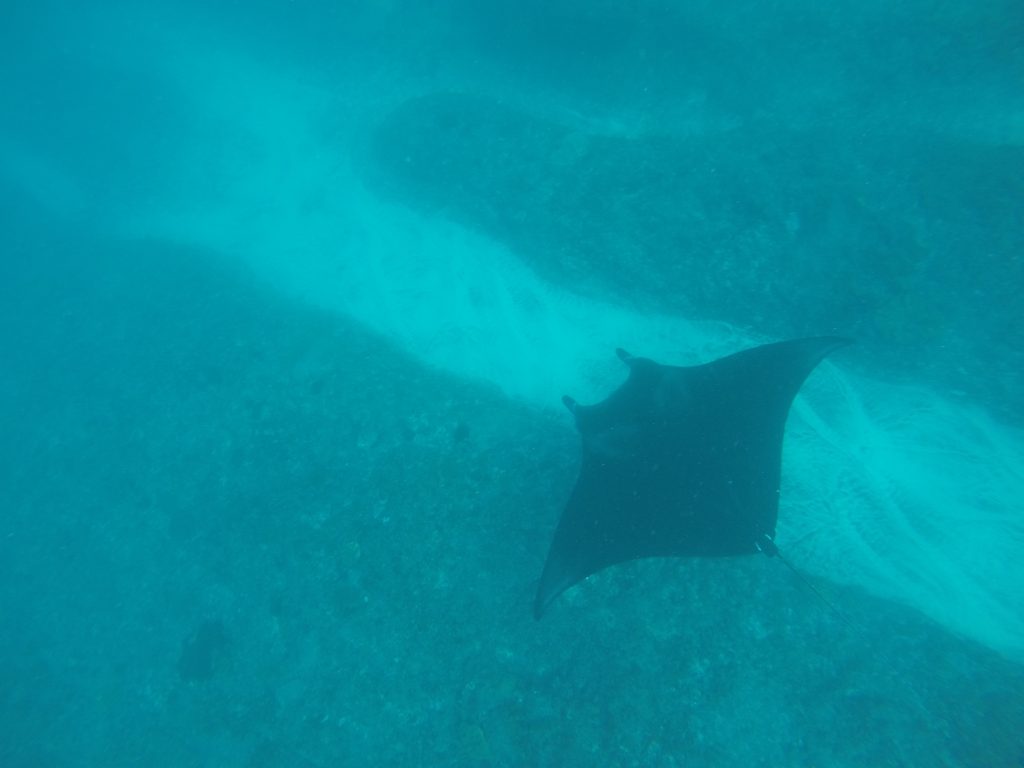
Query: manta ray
<point x="680" y="462"/>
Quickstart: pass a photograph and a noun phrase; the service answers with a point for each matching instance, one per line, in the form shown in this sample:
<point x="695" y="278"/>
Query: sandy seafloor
<point x="288" y="294"/>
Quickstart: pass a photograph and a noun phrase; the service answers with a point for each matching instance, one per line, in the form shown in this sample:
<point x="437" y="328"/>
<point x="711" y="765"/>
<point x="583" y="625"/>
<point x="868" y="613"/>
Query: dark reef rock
<point x="908" y="243"/>
<point x="202" y="651"/>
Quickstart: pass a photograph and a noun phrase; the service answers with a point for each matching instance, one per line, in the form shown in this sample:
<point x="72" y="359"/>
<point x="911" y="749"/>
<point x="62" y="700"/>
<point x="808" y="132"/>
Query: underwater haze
<point x="290" y="293"/>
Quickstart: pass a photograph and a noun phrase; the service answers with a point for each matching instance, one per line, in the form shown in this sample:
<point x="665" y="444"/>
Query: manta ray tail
<point x="771" y="549"/>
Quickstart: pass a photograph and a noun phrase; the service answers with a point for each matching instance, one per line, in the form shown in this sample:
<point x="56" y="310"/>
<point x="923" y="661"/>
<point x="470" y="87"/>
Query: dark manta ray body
<point x="680" y="462"/>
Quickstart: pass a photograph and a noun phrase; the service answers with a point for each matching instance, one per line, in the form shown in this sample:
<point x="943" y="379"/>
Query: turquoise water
<point x="289" y="294"/>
